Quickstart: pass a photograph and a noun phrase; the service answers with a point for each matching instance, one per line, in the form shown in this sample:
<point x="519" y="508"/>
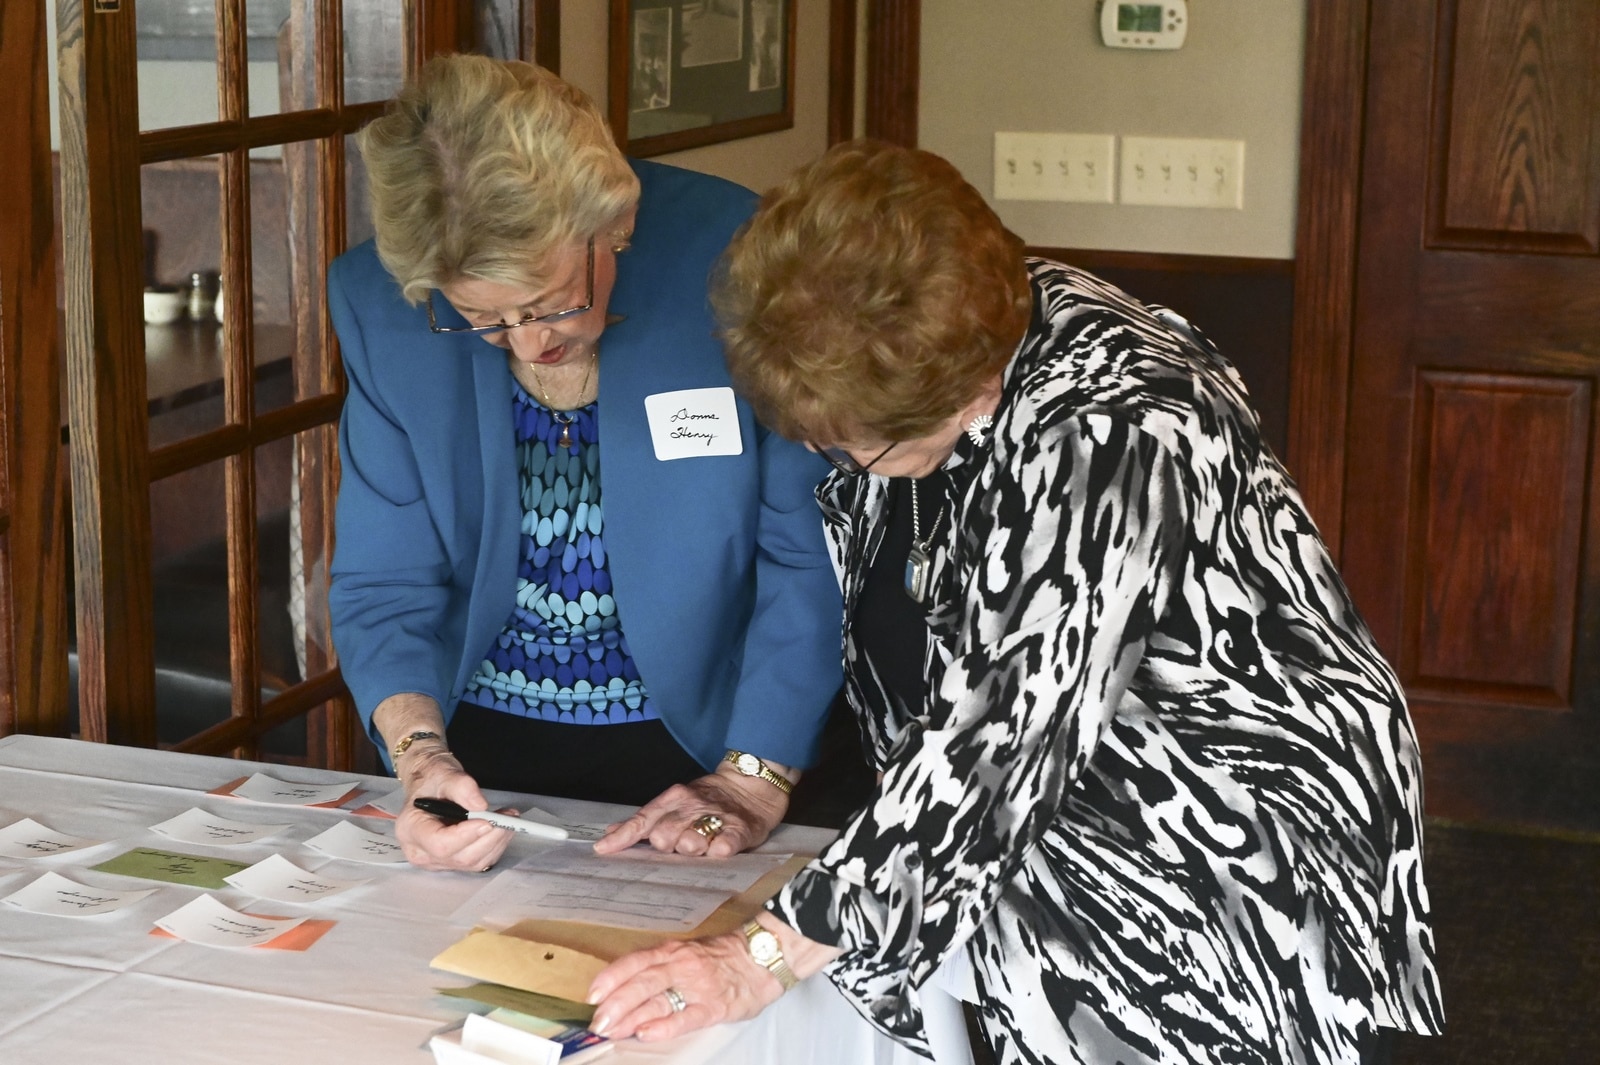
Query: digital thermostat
<point x="1130" y="25"/>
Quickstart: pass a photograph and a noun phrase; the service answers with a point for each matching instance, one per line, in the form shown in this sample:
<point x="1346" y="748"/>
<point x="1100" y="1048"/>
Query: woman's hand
<point x="715" y="978"/>
<point x="749" y="807"/>
<point x="470" y="846"/>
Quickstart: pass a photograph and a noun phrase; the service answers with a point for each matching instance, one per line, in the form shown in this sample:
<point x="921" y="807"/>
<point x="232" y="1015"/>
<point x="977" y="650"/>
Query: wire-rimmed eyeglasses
<point x="845" y="463"/>
<point x="532" y="319"/>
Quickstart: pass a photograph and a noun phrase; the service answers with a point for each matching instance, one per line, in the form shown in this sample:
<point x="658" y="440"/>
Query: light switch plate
<point x="1182" y="172"/>
<point x="1067" y="167"/>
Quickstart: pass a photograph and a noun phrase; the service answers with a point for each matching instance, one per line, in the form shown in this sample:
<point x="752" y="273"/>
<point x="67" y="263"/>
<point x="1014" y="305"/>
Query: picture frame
<point x="687" y="73"/>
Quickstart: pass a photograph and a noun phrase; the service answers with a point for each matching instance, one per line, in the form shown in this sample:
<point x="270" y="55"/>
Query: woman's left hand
<point x="714" y="978"/>
<point x="749" y="808"/>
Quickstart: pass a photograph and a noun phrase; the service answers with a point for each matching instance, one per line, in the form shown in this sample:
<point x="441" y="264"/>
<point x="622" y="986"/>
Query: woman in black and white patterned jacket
<point x="1142" y="765"/>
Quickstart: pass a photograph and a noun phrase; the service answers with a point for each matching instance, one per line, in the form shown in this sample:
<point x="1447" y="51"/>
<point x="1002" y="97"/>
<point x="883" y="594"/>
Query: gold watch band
<point x="765" y="952"/>
<point x="751" y="766"/>
<point x="405" y="742"/>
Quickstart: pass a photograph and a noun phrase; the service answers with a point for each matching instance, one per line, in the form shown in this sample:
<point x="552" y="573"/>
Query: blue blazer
<point x="720" y="572"/>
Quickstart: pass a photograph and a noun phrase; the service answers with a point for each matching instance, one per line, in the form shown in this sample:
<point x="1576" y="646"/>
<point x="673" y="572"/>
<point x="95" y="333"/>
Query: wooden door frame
<point x="1332" y="131"/>
<point x="33" y="646"/>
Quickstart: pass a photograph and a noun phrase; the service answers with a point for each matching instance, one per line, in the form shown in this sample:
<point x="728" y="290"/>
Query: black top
<point x="891" y="628"/>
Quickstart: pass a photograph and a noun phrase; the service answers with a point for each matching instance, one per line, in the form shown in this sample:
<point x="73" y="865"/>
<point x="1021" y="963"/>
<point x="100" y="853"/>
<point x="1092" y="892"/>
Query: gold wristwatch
<point x="751" y="766"/>
<point x="765" y="952"/>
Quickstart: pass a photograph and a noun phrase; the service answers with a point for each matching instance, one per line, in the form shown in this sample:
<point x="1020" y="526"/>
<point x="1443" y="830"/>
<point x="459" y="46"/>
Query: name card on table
<point x="198" y="826"/>
<point x="27" y="838"/>
<point x="56" y="896"/>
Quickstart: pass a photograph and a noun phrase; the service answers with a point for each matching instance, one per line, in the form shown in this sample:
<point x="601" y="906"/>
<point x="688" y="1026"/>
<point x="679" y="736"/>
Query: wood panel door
<point x="1471" y="503"/>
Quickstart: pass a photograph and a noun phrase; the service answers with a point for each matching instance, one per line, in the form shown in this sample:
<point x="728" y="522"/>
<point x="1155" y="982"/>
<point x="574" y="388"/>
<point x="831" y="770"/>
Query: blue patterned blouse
<point x="562" y="656"/>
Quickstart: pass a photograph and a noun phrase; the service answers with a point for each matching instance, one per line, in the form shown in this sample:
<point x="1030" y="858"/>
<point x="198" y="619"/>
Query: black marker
<point x="453" y="813"/>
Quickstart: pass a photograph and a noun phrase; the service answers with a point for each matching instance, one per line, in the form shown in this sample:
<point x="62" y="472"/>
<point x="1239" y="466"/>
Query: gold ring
<point x="709" y="826"/>
<point x="676" y="1000"/>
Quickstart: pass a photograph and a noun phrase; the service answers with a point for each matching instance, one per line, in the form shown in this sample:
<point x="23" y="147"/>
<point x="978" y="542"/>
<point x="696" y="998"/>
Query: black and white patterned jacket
<point x="1164" y="790"/>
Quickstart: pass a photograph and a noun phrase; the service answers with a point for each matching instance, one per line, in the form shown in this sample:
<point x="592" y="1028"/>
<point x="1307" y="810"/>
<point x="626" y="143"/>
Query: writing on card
<point x="693" y="423"/>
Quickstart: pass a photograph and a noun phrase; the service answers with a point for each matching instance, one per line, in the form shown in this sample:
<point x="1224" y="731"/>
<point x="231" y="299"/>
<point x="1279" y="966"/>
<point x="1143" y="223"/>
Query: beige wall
<point x="1038" y="65"/>
<point x="756" y="162"/>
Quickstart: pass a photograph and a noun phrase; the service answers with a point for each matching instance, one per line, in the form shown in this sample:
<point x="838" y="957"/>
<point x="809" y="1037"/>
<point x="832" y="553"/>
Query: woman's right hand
<point x="429" y="843"/>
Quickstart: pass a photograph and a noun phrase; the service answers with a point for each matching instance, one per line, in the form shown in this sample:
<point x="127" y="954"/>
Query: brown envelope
<point x="547" y="968"/>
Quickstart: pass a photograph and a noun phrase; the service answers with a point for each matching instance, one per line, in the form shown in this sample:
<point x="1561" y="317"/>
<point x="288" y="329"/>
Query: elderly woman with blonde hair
<point x="501" y="621"/>
<point x="1149" y="792"/>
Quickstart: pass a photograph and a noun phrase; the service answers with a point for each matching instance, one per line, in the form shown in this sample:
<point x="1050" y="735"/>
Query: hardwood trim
<point x="543" y="24"/>
<point x="842" y="18"/>
<point x="236" y="732"/>
<point x="106" y="400"/>
<point x="894" y="70"/>
<point x="1332" y="126"/>
<point x="33" y="608"/>
<point x="215" y="138"/>
<point x="1094" y="258"/>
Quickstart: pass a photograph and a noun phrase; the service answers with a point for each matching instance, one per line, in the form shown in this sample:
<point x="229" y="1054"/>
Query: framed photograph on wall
<point x="690" y="72"/>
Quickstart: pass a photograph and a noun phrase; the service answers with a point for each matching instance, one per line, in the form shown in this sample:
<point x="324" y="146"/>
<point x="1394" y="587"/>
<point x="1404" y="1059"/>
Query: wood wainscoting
<point x="1246" y="307"/>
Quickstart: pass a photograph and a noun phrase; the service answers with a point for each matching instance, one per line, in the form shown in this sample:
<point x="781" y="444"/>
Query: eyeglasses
<point x="845" y="463"/>
<point x="532" y="319"/>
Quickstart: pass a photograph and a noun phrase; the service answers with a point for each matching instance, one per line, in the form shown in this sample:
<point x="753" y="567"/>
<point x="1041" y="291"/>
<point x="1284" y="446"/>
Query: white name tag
<point x="693" y="423"/>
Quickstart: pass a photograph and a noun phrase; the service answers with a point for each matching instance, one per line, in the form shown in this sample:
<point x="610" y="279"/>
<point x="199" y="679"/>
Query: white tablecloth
<point x="92" y="989"/>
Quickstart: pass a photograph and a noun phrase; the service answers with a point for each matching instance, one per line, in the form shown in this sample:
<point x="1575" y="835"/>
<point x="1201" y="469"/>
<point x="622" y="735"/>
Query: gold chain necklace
<point x="564" y="418"/>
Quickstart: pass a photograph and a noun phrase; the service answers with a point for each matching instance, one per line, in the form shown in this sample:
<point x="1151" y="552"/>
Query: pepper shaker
<point x="199" y="298"/>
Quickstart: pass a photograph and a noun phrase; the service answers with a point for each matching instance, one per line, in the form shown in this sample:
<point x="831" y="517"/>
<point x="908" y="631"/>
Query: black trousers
<point x="627" y="763"/>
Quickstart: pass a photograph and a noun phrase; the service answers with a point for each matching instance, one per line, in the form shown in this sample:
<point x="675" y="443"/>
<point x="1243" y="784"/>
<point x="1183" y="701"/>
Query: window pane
<point x="284" y="276"/>
<point x="280" y="568"/>
<point x="289" y="27"/>
<point x="189" y="549"/>
<point x="310" y="533"/>
<point x="375" y="49"/>
<point x="358" y="209"/>
<point x="181" y="201"/>
<point x="500" y="27"/>
<point x="177" y="53"/>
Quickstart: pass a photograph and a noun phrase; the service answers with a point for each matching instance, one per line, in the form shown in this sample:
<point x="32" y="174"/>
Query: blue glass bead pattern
<point x="562" y="656"/>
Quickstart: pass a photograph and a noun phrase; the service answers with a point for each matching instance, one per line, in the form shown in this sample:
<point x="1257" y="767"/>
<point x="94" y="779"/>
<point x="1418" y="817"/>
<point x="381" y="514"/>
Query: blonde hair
<point x="481" y="168"/>
<point x="872" y="297"/>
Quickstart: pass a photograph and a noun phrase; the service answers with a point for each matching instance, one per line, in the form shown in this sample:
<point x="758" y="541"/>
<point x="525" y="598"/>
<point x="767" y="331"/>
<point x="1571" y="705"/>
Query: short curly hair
<point x="482" y="167"/>
<point x="871" y="297"/>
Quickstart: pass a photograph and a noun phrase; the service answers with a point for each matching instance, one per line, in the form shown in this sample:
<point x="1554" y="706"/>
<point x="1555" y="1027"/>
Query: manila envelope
<point x="546" y="968"/>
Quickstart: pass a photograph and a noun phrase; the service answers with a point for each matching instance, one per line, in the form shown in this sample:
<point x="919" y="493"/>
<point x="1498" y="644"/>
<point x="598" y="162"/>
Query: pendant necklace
<point x="919" y="562"/>
<point x="565" y="418"/>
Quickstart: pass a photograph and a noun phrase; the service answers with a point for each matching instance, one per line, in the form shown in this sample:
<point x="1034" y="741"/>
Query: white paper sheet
<point x="209" y="923"/>
<point x="640" y="888"/>
<point x="27" y="838"/>
<point x="57" y="896"/>
<point x="279" y="879"/>
<point x="386" y="804"/>
<point x="259" y="787"/>
<point x="200" y="826"/>
<point x="355" y="844"/>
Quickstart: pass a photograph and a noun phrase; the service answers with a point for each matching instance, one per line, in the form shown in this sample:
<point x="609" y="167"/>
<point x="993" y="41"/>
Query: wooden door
<point x="1471" y="502"/>
<point x="213" y="142"/>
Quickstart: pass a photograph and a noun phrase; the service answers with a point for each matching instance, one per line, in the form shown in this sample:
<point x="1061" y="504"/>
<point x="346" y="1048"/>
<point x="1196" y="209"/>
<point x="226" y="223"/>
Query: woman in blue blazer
<point x="500" y="621"/>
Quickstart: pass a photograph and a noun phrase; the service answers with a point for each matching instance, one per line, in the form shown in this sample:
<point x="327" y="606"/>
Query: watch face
<point x="748" y="764"/>
<point x="764" y="947"/>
